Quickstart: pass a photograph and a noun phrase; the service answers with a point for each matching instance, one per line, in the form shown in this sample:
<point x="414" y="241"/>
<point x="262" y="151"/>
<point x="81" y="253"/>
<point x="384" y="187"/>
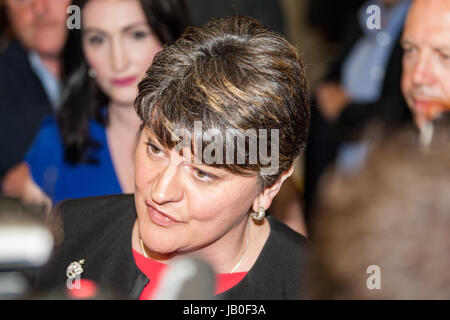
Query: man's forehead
<point x="428" y="21"/>
<point x="429" y="13"/>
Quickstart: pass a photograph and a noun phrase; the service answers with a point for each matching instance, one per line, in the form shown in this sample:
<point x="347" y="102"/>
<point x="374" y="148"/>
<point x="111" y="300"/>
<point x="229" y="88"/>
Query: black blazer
<point x="98" y="230"/>
<point x="23" y="104"/>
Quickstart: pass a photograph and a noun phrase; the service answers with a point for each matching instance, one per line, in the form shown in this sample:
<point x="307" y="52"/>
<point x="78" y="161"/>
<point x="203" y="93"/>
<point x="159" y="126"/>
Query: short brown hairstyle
<point x="231" y="73"/>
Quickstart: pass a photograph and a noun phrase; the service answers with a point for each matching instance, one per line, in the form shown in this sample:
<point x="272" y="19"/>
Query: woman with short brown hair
<point x="224" y="113"/>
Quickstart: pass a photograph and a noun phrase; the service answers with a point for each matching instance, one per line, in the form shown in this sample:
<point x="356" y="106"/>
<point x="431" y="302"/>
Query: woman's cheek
<point x="142" y="170"/>
<point x="151" y="48"/>
<point x="211" y="204"/>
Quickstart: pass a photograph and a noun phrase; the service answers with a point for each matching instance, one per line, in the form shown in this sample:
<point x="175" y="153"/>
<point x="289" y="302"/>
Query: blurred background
<point x="320" y="29"/>
<point x="354" y="75"/>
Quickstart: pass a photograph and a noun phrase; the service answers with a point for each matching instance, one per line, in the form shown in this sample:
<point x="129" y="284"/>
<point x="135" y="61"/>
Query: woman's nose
<point x="166" y="187"/>
<point x="120" y="58"/>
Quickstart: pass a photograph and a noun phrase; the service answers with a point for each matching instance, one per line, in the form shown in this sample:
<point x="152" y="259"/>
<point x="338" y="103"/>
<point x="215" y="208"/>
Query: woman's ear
<point x="265" y="198"/>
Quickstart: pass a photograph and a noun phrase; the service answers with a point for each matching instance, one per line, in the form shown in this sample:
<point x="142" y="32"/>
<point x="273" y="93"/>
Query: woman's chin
<point x="158" y="243"/>
<point x="161" y="252"/>
<point x="123" y="97"/>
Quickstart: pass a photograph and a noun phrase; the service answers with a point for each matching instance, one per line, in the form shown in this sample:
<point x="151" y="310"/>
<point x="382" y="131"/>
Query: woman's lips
<point x="121" y="82"/>
<point x="160" y="218"/>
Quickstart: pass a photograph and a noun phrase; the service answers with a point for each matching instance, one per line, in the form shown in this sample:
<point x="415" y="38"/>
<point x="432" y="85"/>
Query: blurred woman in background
<point x="88" y="148"/>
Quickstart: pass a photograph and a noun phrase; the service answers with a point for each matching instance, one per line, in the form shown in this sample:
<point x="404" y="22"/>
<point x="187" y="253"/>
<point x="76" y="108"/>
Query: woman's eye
<point x="203" y="176"/>
<point x="139" y="34"/>
<point x="154" y="150"/>
<point x="95" y="40"/>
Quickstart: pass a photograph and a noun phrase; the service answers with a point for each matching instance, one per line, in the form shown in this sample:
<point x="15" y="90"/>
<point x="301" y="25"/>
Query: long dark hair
<point x="82" y="100"/>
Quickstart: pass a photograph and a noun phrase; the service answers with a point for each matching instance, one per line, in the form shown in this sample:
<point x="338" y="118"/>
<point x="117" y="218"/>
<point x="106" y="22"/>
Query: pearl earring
<point x="92" y="73"/>
<point x="258" y="216"/>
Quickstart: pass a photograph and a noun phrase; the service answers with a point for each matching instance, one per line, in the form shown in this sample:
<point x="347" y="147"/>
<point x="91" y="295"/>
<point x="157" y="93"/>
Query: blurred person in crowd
<point x="30" y="71"/>
<point x="232" y="76"/>
<point x="361" y="88"/>
<point x="426" y="63"/>
<point x="383" y="233"/>
<point x="88" y="148"/>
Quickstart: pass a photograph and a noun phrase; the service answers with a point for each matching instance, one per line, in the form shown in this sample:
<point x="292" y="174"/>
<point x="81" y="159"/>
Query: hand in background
<point x="18" y="183"/>
<point x="331" y="100"/>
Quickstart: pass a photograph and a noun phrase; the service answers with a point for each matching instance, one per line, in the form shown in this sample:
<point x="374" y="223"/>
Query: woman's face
<point x="119" y="45"/>
<point x="183" y="206"/>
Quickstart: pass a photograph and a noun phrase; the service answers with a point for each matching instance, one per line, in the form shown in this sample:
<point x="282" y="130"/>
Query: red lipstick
<point x="160" y="218"/>
<point x="122" y="82"/>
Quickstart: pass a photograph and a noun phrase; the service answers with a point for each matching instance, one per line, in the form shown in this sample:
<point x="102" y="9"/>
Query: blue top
<point x="60" y="180"/>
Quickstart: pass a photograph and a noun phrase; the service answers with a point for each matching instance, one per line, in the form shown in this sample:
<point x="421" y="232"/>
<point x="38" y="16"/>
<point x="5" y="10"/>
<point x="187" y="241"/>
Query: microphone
<point x="187" y="279"/>
<point x="25" y="239"/>
<point x="26" y="243"/>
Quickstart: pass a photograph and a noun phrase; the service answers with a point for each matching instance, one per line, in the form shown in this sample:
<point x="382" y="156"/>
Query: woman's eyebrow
<point x="134" y="25"/>
<point x="94" y="30"/>
<point x="150" y="137"/>
<point x="124" y="29"/>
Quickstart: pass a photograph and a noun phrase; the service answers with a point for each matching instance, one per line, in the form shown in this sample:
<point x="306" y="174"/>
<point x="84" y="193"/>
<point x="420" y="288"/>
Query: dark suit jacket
<point x="98" y="230"/>
<point x="23" y="104"/>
